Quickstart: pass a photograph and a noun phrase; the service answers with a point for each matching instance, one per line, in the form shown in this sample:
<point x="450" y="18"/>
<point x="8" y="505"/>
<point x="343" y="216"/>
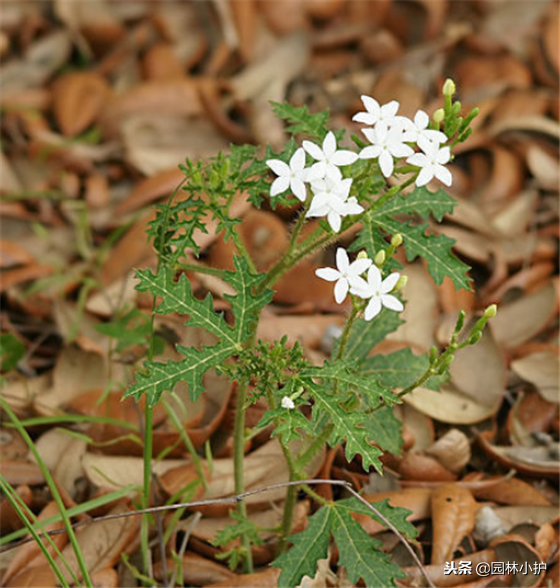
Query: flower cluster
<point x="373" y="288"/>
<point x="391" y="136"/>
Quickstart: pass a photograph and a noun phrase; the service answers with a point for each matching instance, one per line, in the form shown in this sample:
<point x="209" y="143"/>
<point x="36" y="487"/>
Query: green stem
<point x="346" y="333"/>
<point x="188" y="443"/>
<point x="145" y="528"/>
<point x="201" y="269"/>
<point x="304" y="458"/>
<point x="11" y="495"/>
<point x="238" y="458"/>
<point x="53" y="489"/>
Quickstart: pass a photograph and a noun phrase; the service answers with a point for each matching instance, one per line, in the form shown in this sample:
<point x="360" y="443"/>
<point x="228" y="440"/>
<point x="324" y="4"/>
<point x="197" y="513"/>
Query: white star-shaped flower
<point x="375" y="113"/>
<point x="331" y="200"/>
<point x="419" y="128"/>
<point x="289" y="176"/>
<point x="387" y="143"/>
<point x="431" y="162"/>
<point x="346" y="275"/>
<point x="328" y="158"/>
<point x="377" y="289"/>
<point x="287" y="403"/>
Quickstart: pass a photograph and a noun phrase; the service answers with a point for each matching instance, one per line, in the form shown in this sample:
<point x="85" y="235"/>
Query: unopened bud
<point x="491" y="311"/>
<point x="401" y="283"/>
<point x="449" y="87"/>
<point x="439" y="115"/>
<point x="475" y="337"/>
<point x="362" y="254"/>
<point x="396" y="240"/>
<point x="380" y="258"/>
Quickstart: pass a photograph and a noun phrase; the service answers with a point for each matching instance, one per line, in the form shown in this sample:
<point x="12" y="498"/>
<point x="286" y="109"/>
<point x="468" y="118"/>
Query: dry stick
<point x="234" y="500"/>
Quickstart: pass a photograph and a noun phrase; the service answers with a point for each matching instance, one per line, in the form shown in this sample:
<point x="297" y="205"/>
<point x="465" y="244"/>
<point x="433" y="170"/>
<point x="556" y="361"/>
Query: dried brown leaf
<point x="453" y="511"/>
<point x="542" y="369"/>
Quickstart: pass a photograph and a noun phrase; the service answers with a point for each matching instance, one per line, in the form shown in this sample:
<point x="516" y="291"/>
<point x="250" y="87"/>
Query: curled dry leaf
<point x="40" y="576"/>
<point x="197" y="570"/>
<point x="512" y="491"/>
<point x="9" y="517"/>
<point x="102" y="544"/>
<point x="452" y="450"/>
<point x="519" y="321"/>
<point x="417" y="500"/>
<point x="177" y="479"/>
<point x="542" y="369"/>
<point x="29" y="554"/>
<point x="512" y="547"/>
<point x="487" y="526"/>
<point x="415" y="466"/>
<point x="453" y="511"/>
<point x="78" y="99"/>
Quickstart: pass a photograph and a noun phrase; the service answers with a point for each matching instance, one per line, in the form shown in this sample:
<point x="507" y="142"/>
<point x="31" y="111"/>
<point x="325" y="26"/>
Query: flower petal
<point x="371" y="104"/>
<point x="329" y="145"/>
<point x="327" y="273"/>
<point x="389" y="110"/>
<point x="443" y="175"/>
<point x="426" y="174"/>
<point x="314" y="150"/>
<point x="364" y="117"/>
<point x="342" y="261"/>
<point x="344" y="157"/>
<point x="372" y="309"/>
<point x="360" y="287"/>
<point x="332" y="172"/>
<point x="359" y="266"/>
<point x="370" y="152"/>
<point x="279" y="167"/>
<point x="334" y="221"/>
<point x="391" y="302"/>
<point x="389" y="283"/>
<point x="434" y="136"/>
<point x="279" y="185"/>
<point x="386" y="163"/>
<point x="444" y="155"/>
<point x="400" y="150"/>
<point x="370" y="135"/>
<point x="297" y="161"/>
<point x="421" y="120"/>
<point x="299" y="190"/>
<point x="418" y="159"/>
<point x="374" y="278"/>
<point x="340" y="291"/>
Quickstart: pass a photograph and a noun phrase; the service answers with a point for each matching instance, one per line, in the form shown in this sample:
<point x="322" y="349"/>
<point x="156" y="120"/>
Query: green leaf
<point x="360" y="554"/>
<point x="177" y="296"/>
<point x="399" y="369"/>
<point x="435" y="249"/>
<point x="301" y="120"/>
<point x="11" y="351"/>
<point x="308" y="547"/>
<point x="365" y="335"/>
<point x="385" y="428"/>
<point x="396" y="515"/>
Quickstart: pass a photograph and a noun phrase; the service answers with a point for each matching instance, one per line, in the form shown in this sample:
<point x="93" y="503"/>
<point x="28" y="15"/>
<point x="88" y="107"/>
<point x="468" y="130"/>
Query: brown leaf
<point x="512" y="491"/>
<point x="102" y="544"/>
<point x="9" y="517"/>
<point x="453" y="511"/>
<point x="542" y="369"/>
<point x="21" y="472"/>
<point x="415" y="466"/>
<point x="513" y="548"/>
<point x="41" y="576"/>
<point x="161" y="62"/>
<point x="78" y="98"/>
<point x="30" y="554"/>
<point x="197" y="570"/>
<point x="519" y="321"/>
<point x="452" y="450"/>
<point x="266" y="579"/>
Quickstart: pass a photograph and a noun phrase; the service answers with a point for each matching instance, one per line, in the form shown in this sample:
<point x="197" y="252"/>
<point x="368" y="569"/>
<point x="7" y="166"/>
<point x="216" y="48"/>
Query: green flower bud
<point x="362" y="254"/>
<point x="491" y="311"/>
<point x="475" y="337"/>
<point x="449" y="87"/>
<point x="401" y="283"/>
<point x="380" y="258"/>
<point x="439" y="115"/>
<point x="396" y="240"/>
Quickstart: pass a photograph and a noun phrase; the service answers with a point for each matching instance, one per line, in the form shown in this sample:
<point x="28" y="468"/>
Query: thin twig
<point x="235" y="500"/>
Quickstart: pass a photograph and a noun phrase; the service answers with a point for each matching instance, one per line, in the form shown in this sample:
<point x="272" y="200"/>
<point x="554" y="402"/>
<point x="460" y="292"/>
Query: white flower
<point x="419" y="128"/>
<point x="289" y="176"/>
<point x="346" y="275"/>
<point x="431" y="162"/>
<point x="376" y="113"/>
<point x="328" y="158"/>
<point x="377" y="291"/>
<point x="331" y="200"/>
<point x="387" y="143"/>
<point x="288" y="403"/>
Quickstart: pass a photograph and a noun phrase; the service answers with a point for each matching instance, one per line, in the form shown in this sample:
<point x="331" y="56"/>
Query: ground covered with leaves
<point x="101" y="101"/>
